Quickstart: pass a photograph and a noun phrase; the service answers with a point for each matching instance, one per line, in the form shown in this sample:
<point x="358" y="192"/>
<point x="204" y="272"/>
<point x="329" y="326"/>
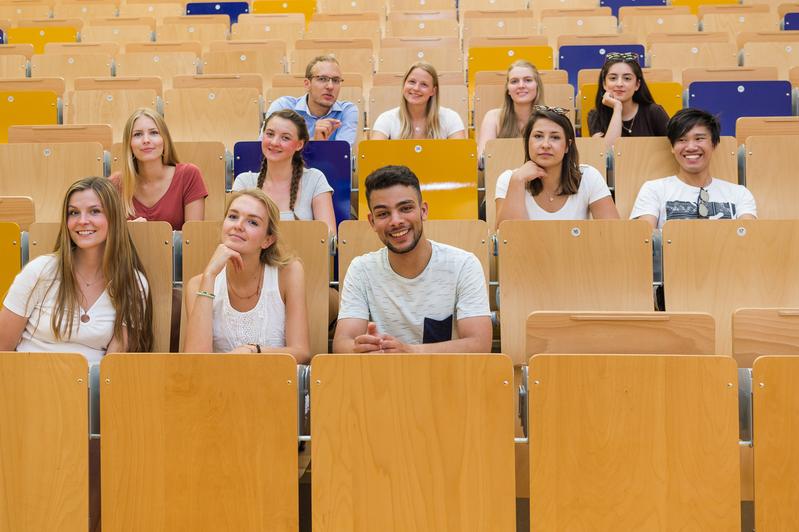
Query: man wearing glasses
<point x="693" y="192"/>
<point x="326" y="117"/>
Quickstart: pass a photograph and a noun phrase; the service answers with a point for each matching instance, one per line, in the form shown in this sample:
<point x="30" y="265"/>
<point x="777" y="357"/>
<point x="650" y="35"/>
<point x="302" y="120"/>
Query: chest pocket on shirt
<point x="437" y="330"/>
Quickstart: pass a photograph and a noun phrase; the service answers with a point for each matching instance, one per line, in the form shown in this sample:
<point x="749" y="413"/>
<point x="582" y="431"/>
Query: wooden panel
<point x="364" y="25"/>
<point x="679" y="56"/>
<point x="107" y="106"/>
<point x="642" y="25"/>
<point x="517" y="23"/>
<point x="13" y="66"/>
<point x="702" y="261"/>
<point x="44" y="445"/>
<point x="120" y="34"/>
<point x="576" y="267"/>
<point x="625" y="442"/>
<point x="422" y="442"/>
<point x="163" y="64"/>
<point x="640" y="159"/>
<point x="199" y="442"/>
<point x="356" y="237"/>
<point x="771" y="175"/>
<point x="447" y="171"/>
<point x="45" y="171"/>
<point x="17" y="209"/>
<point x="508" y="154"/>
<point x="357" y="55"/>
<point x="766" y="73"/>
<point x="396" y="53"/>
<point x="764" y="331"/>
<point x="62" y="133"/>
<point x="308" y="239"/>
<point x="750" y="126"/>
<point x="153" y="241"/>
<point x="688" y="333"/>
<point x="783" y="55"/>
<point x="201" y="28"/>
<point x="576" y="25"/>
<point x="775" y="405"/>
<point x="226" y="114"/>
<point x="266" y="61"/>
<point x="285" y="27"/>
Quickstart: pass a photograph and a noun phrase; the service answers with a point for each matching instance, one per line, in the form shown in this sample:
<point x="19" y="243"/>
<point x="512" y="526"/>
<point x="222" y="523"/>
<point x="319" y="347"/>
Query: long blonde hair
<point x="276" y="254"/>
<point x="122" y="268"/>
<point x="431" y="113"/>
<point x="508" y="121"/>
<point x="130" y="168"/>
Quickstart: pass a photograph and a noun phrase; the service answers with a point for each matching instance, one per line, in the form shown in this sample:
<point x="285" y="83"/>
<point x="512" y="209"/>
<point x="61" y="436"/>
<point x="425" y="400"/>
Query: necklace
<point x="629" y="130"/>
<point x="257" y="290"/>
<point x="87" y="283"/>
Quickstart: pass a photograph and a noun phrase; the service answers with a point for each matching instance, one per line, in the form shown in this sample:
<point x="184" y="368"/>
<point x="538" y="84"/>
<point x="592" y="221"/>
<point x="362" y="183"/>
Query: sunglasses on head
<point x="627" y="57"/>
<point x="558" y="110"/>
<point x="703" y="203"/>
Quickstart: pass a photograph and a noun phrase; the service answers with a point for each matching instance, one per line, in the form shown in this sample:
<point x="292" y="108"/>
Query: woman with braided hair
<point x="301" y="193"/>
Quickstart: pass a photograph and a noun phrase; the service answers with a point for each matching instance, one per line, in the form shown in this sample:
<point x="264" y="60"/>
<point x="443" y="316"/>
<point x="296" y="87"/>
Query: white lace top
<point x="265" y="324"/>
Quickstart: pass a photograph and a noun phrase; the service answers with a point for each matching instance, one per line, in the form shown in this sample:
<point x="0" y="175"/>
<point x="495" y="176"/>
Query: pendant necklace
<point x="84" y="316"/>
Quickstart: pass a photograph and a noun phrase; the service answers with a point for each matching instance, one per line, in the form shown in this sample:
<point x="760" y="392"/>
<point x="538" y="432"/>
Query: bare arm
<point x="747" y="217"/>
<point x="11" y="327"/>
<point x="652" y="220"/>
<point x="200" y="308"/>
<point x="614" y="126"/>
<point x="354" y="335"/>
<point x="488" y="130"/>
<point x="292" y="288"/>
<point x="604" y="209"/>
<point x="194" y="211"/>
<point x="458" y="135"/>
<point x="512" y="207"/>
<point x="322" y="207"/>
<point x="377" y="135"/>
<point x="474" y="336"/>
<point x="119" y="345"/>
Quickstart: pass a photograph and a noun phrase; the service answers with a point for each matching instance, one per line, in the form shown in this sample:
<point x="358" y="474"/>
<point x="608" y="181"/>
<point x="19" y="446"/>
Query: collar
<point x="302" y="105"/>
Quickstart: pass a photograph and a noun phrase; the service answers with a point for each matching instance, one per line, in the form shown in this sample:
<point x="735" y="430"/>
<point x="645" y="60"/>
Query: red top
<point x="187" y="185"/>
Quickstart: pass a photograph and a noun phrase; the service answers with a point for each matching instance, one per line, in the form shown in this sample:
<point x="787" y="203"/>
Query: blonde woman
<point x="153" y="184"/>
<point x="90" y="295"/>
<point x="523" y="90"/>
<point x="251" y="296"/>
<point x="419" y="116"/>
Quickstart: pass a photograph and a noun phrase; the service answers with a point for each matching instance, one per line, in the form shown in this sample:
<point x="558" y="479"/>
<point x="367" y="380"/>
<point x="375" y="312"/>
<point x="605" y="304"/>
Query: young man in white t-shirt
<point x="692" y="193"/>
<point x="413" y="295"/>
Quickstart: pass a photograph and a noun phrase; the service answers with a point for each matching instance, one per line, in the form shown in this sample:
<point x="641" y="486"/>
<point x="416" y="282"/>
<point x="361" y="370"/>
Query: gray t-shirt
<point x="312" y="183"/>
<point x="424" y="309"/>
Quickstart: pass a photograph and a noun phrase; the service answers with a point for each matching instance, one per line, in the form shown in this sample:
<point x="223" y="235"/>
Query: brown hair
<point x="297" y="162"/>
<point x="570" y="175"/>
<point x="122" y="268"/>
<point x="508" y="121"/>
<point x="130" y="168"/>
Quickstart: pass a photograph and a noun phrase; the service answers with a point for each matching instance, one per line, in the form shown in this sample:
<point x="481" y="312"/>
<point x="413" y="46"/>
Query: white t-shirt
<point x="592" y="188"/>
<point x="33" y="296"/>
<point x="424" y="309"/>
<point x="312" y="183"/>
<point x="669" y="198"/>
<point x="388" y="123"/>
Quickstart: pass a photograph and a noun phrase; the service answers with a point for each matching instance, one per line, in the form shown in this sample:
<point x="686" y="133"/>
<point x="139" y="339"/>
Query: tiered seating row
<point x="421" y="441"/>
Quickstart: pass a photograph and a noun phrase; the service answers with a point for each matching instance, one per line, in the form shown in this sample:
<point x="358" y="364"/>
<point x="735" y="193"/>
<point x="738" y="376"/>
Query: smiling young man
<point x="413" y="295"/>
<point x="327" y="118"/>
<point x="692" y="193"/>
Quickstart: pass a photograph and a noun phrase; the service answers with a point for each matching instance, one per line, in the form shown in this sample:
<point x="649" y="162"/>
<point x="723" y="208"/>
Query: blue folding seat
<point x="730" y="100"/>
<point x="331" y="157"/>
<point x="231" y="9"/>
<point x="2" y="37"/>
<point x="791" y="21"/>
<point x="616" y="4"/>
<point x="572" y="58"/>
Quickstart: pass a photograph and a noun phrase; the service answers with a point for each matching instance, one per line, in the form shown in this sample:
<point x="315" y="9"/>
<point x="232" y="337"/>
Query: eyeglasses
<point x="558" y="110"/>
<point x="324" y="80"/>
<point x="703" y="203"/>
<point x="627" y="57"/>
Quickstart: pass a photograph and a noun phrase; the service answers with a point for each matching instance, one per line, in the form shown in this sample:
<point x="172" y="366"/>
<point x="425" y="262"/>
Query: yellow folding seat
<point x="26" y="107"/>
<point x="304" y="7"/>
<point x="38" y="36"/>
<point x="447" y="170"/>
